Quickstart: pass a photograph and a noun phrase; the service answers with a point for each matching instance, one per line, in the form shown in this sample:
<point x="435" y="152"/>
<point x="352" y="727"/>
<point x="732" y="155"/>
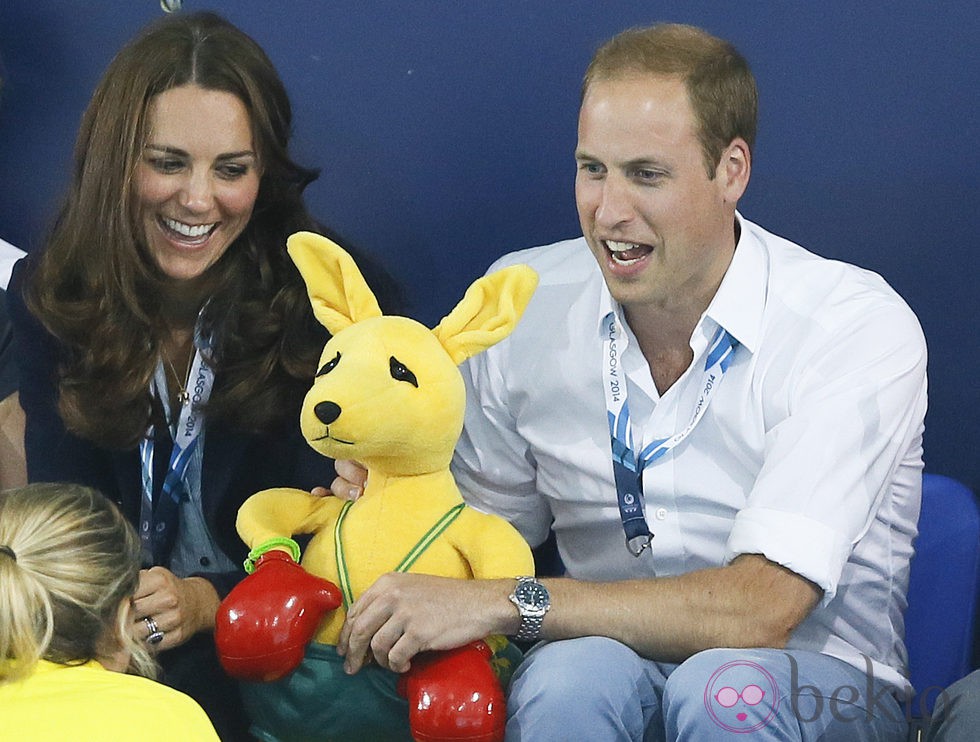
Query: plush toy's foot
<point x="263" y="626"/>
<point x="454" y="696"/>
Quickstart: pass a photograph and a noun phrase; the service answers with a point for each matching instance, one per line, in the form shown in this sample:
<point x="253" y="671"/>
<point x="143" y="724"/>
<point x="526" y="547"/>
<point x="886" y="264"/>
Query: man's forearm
<point x="750" y="603"/>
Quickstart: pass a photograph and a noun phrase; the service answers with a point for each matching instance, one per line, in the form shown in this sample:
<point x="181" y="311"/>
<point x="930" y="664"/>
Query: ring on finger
<point x="156" y="635"/>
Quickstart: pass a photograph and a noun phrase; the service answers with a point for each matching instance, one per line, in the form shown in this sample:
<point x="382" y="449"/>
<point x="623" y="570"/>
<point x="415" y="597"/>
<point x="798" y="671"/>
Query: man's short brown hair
<point x="719" y="83"/>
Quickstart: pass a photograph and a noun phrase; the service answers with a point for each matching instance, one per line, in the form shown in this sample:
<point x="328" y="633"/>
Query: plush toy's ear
<point x="338" y="292"/>
<point x="488" y="312"/>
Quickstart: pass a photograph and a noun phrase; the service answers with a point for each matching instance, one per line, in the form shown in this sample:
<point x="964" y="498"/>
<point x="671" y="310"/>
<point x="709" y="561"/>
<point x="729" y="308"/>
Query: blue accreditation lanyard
<point x="159" y="520"/>
<point x="627" y="465"/>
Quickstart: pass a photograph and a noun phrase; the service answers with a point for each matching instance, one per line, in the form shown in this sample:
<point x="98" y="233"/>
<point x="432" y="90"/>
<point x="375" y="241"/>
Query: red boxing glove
<point x="263" y="626"/>
<point x="454" y="695"/>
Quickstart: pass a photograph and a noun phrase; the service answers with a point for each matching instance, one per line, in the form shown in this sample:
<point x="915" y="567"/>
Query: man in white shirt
<point x="723" y="430"/>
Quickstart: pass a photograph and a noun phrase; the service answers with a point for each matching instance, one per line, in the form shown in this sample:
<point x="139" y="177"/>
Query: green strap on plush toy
<point x="413" y="554"/>
<point x="506" y="656"/>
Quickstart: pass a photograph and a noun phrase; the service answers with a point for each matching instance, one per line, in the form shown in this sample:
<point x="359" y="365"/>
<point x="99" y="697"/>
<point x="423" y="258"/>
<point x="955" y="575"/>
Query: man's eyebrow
<point x="648" y="161"/>
<point x="638" y="162"/>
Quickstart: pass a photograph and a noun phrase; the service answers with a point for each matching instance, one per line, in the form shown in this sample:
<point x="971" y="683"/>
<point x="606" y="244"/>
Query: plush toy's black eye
<point x="401" y="372"/>
<point x="329" y="366"/>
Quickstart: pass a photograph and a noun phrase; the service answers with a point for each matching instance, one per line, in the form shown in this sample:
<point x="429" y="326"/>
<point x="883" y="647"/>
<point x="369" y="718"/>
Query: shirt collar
<point x="741" y="298"/>
<point x="606" y="305"/>
<point x="46" y="666"/>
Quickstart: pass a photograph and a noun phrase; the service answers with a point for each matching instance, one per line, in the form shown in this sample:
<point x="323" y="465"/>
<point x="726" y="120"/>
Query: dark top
<point x="8" y="363"/>
<point x="235" y="465"/>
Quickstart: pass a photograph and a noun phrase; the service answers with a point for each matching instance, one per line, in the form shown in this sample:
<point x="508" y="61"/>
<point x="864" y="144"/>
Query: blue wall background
<point x="445" y="132"/>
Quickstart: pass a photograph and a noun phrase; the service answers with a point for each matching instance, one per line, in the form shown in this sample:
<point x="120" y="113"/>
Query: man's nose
<point x="615" y="205"/>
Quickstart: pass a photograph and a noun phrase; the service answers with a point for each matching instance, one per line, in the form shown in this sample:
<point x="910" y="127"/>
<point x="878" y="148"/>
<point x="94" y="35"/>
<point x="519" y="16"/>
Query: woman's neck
<point x="182" y="301"/>
<point x="110" y="651"/>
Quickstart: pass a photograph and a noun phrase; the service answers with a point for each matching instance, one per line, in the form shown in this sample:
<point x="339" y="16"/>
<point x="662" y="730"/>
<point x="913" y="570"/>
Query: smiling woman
<point x="197" y="179"/>
<point x="166" y="340"/>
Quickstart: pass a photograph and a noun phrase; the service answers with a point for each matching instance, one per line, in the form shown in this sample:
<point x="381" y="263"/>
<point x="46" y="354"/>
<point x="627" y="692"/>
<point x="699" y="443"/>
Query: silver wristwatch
<point x="532" y="601"/>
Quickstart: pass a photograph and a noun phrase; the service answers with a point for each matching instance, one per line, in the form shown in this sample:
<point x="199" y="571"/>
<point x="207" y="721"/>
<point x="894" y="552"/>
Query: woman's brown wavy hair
<point x="95" y="287"/>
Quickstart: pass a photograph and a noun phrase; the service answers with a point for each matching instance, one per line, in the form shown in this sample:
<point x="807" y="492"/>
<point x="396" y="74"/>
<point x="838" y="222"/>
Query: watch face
<point x="532" y="594"/>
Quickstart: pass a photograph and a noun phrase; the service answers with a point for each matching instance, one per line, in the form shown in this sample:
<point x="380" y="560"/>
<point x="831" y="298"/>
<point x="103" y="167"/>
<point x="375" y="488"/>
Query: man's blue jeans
<point x="597" y="689"/>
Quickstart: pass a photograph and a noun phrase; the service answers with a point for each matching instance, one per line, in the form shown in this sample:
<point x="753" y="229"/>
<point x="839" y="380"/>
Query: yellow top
<point x="87" y="703"/>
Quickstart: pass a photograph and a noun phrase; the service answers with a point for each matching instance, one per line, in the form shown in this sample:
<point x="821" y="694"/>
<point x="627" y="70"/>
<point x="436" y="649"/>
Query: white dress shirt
<point x="810" y="452"/>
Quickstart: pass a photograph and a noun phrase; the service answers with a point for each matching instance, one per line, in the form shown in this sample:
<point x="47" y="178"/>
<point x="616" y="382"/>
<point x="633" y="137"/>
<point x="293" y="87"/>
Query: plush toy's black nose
<point x="327" y="412"/>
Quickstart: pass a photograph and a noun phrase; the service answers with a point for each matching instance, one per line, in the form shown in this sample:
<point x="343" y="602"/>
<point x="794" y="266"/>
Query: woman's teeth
<point x="188" y="230"/>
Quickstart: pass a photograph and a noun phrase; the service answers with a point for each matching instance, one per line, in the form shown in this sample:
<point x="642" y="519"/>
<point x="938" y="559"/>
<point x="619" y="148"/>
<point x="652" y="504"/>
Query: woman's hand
<point x="177" y="608"/>
<point x="349" y="484"/>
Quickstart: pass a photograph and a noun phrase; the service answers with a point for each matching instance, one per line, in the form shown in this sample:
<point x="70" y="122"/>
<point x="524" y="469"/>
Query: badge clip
<point x="638" y="544"/>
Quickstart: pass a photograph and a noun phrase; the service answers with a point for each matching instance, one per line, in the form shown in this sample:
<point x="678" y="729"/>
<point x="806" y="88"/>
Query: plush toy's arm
<point x="493" y="547"/>
<point x="265" y="623"/>
<point x="263" y="626"/>
<point x="282" y="512"/>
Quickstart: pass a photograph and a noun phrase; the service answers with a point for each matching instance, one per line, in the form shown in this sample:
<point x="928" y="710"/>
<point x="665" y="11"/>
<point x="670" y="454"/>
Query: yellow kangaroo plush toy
<point x="388" y="394"/>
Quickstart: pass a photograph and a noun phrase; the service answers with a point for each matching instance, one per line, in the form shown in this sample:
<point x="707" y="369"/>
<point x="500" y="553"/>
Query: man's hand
<point x="177" y="607"/>
<point x="401" y="615"/>
<point x="349" y="484"/>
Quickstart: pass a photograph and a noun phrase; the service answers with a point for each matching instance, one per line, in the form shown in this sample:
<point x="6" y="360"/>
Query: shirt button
<point x="661" y="514"/>
<point x="205" y="561"/>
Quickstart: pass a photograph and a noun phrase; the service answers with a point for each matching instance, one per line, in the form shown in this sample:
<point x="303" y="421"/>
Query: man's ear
<point x="734" y="170"/>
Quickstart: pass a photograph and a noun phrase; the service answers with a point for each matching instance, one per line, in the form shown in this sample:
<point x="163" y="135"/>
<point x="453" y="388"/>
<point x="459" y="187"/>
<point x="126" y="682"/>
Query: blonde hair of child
<point x="68" y="559"/>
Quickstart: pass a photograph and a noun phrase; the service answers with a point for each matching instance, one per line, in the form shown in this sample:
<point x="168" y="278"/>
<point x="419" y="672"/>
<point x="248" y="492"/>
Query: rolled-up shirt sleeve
<point x="852" y="433"/>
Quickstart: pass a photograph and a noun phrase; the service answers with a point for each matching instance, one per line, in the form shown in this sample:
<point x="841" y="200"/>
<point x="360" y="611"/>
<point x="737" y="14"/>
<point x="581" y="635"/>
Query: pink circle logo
<point x="741" y="697"/>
